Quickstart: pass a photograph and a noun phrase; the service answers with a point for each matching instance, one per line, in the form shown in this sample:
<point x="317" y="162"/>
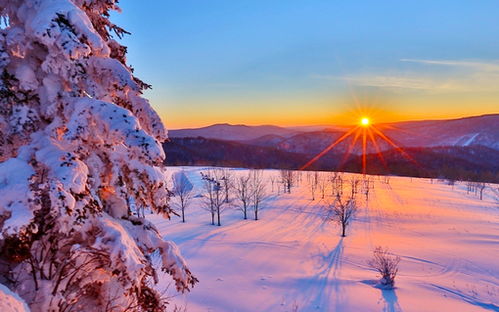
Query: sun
<point x="365" y="122"/>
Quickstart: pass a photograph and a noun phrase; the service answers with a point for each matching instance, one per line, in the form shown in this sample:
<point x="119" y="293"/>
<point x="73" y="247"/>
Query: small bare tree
<point x="481" y="188"/>
<point x="469" y="187"/>
<point x="182" y="191"/>
<point x="258" y="194"/>
<point x="214" y="199"/>
<point x="288" y="179"/>
<point x="354" y="184"/>
<point x="323" y="186"/>
<point x="272" y="182"/>
<point x="339" y="184"/>
<point x="387" y="266"/>
<point x="332" y="176"/>
<point x="367" y="185"/>
<point x="312" y="179"/>
<point x="224" y="176"/>
<point x="209" y="196"/>
<point x="243" y="190"/>
<point x="342" y="212"/>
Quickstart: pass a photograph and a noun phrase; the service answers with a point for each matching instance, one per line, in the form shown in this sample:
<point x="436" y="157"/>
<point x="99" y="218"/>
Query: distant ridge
<point x="225" y="131"/>
<point x="466" y="131"/>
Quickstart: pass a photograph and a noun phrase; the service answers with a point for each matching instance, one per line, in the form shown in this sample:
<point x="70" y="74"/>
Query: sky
<point x="313" y="62"/>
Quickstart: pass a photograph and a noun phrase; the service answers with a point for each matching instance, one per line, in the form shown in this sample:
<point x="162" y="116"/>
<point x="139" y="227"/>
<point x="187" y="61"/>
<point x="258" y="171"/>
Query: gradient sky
<point x="291" y="62"/>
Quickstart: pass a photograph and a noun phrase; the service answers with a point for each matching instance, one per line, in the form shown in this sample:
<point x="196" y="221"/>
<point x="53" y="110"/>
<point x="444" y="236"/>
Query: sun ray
<point x="376" y="147"/>
<point x="349" y="150"/>
<point x="327" y="149"/>
<point x="364" y="150"/>
<point x="397" y="148"/>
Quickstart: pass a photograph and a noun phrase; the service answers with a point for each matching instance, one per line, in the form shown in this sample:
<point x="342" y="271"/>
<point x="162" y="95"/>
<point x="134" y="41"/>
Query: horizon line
<point x="329" y="125"/>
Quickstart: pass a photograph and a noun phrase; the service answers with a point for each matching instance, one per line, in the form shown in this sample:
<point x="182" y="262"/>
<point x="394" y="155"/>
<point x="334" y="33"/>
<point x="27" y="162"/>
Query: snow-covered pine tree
<point x="80" y="162"/>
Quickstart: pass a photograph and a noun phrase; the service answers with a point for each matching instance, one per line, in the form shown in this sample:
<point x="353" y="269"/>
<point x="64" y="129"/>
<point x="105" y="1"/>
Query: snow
<point x="11" y="302"/>
<point x="470" y="139"/>
<point x="14" y="191"/>
<point x="26" y="77"/>
<point x="447" y="240"/>
<point x="41" y="24"/>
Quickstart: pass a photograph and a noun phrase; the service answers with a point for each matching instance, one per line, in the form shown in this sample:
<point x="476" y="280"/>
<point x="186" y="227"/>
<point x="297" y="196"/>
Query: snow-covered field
<point x="292" y="260"/>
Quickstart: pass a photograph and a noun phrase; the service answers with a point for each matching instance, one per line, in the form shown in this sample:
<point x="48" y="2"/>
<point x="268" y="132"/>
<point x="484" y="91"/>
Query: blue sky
<point x="314" y="62"/>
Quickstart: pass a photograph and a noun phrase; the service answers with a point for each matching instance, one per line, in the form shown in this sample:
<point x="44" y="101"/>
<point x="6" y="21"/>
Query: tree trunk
<point x="183" y="214"/>
<point x="212" y="218"/>
<point x="218" y="216"/>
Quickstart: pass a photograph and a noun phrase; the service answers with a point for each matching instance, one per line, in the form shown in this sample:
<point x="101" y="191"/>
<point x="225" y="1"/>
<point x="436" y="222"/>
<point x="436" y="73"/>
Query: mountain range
<point x="467" y="145"/>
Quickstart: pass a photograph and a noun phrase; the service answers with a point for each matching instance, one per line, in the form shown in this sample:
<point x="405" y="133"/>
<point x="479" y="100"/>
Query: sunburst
<point x="368" y="133"/>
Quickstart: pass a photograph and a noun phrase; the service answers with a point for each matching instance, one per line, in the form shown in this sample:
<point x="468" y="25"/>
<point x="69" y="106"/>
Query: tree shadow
<point x="390" y="299"/>
<point x="388" y="296"/>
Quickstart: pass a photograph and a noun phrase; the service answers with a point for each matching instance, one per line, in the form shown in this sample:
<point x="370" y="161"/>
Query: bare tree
<point x="337" y="184"/>
<point x="367" y="185"/>
<point x="332" y="180"/>
<point x="209" y="196"/>
<point x="182" y="191"/>
<point x="272" y="181"/>
<point x="224" y="176"/>
<point x="258" y="194"/>
<point x="386" y="264"/>
<point x="322" y="186"/>
<point x="214" y="198"/>
<point x="469" y="187"/>
<point x="481" y="187"/>
<point x="243" y="190"/>
<point x="354" y="184"/>
<point x="288" y="179"/>
<point x="342" y="212"/>
<point x="297" y="177"/>
<point x="312" y="179"/>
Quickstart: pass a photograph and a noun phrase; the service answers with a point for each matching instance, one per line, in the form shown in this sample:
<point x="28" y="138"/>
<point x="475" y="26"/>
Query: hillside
<point x="202" y="151"/>
<point x="294" y="260"/>
<point x="469" y="162"/>
<point x="476" y="130"/>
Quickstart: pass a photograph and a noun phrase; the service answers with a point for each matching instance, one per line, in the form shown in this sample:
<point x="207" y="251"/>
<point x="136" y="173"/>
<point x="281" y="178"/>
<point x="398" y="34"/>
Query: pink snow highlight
<point x="11" y="302"/>
<point x="447" y="240"/>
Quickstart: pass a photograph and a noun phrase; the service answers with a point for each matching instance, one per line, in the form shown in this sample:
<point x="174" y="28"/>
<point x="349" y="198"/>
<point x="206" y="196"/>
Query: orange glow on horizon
<point x="368" y="133"/>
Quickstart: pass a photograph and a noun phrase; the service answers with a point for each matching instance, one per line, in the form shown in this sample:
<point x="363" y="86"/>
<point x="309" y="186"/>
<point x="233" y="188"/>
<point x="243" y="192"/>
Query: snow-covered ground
<point x="292" y="260"/>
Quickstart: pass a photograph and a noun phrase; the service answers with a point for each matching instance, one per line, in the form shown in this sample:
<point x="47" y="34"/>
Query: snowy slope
<point x="479" y="130"/>
<point x="448" y="241"/>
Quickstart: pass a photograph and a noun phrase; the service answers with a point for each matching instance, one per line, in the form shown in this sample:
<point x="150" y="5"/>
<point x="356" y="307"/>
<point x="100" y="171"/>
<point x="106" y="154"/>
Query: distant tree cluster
<point x="457" y="163"/>
<point x="223" y="190"/>
<point x="476" y="187"/>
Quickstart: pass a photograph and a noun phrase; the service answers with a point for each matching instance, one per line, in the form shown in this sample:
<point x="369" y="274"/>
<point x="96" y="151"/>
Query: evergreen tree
<point x="81" y="160"/>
